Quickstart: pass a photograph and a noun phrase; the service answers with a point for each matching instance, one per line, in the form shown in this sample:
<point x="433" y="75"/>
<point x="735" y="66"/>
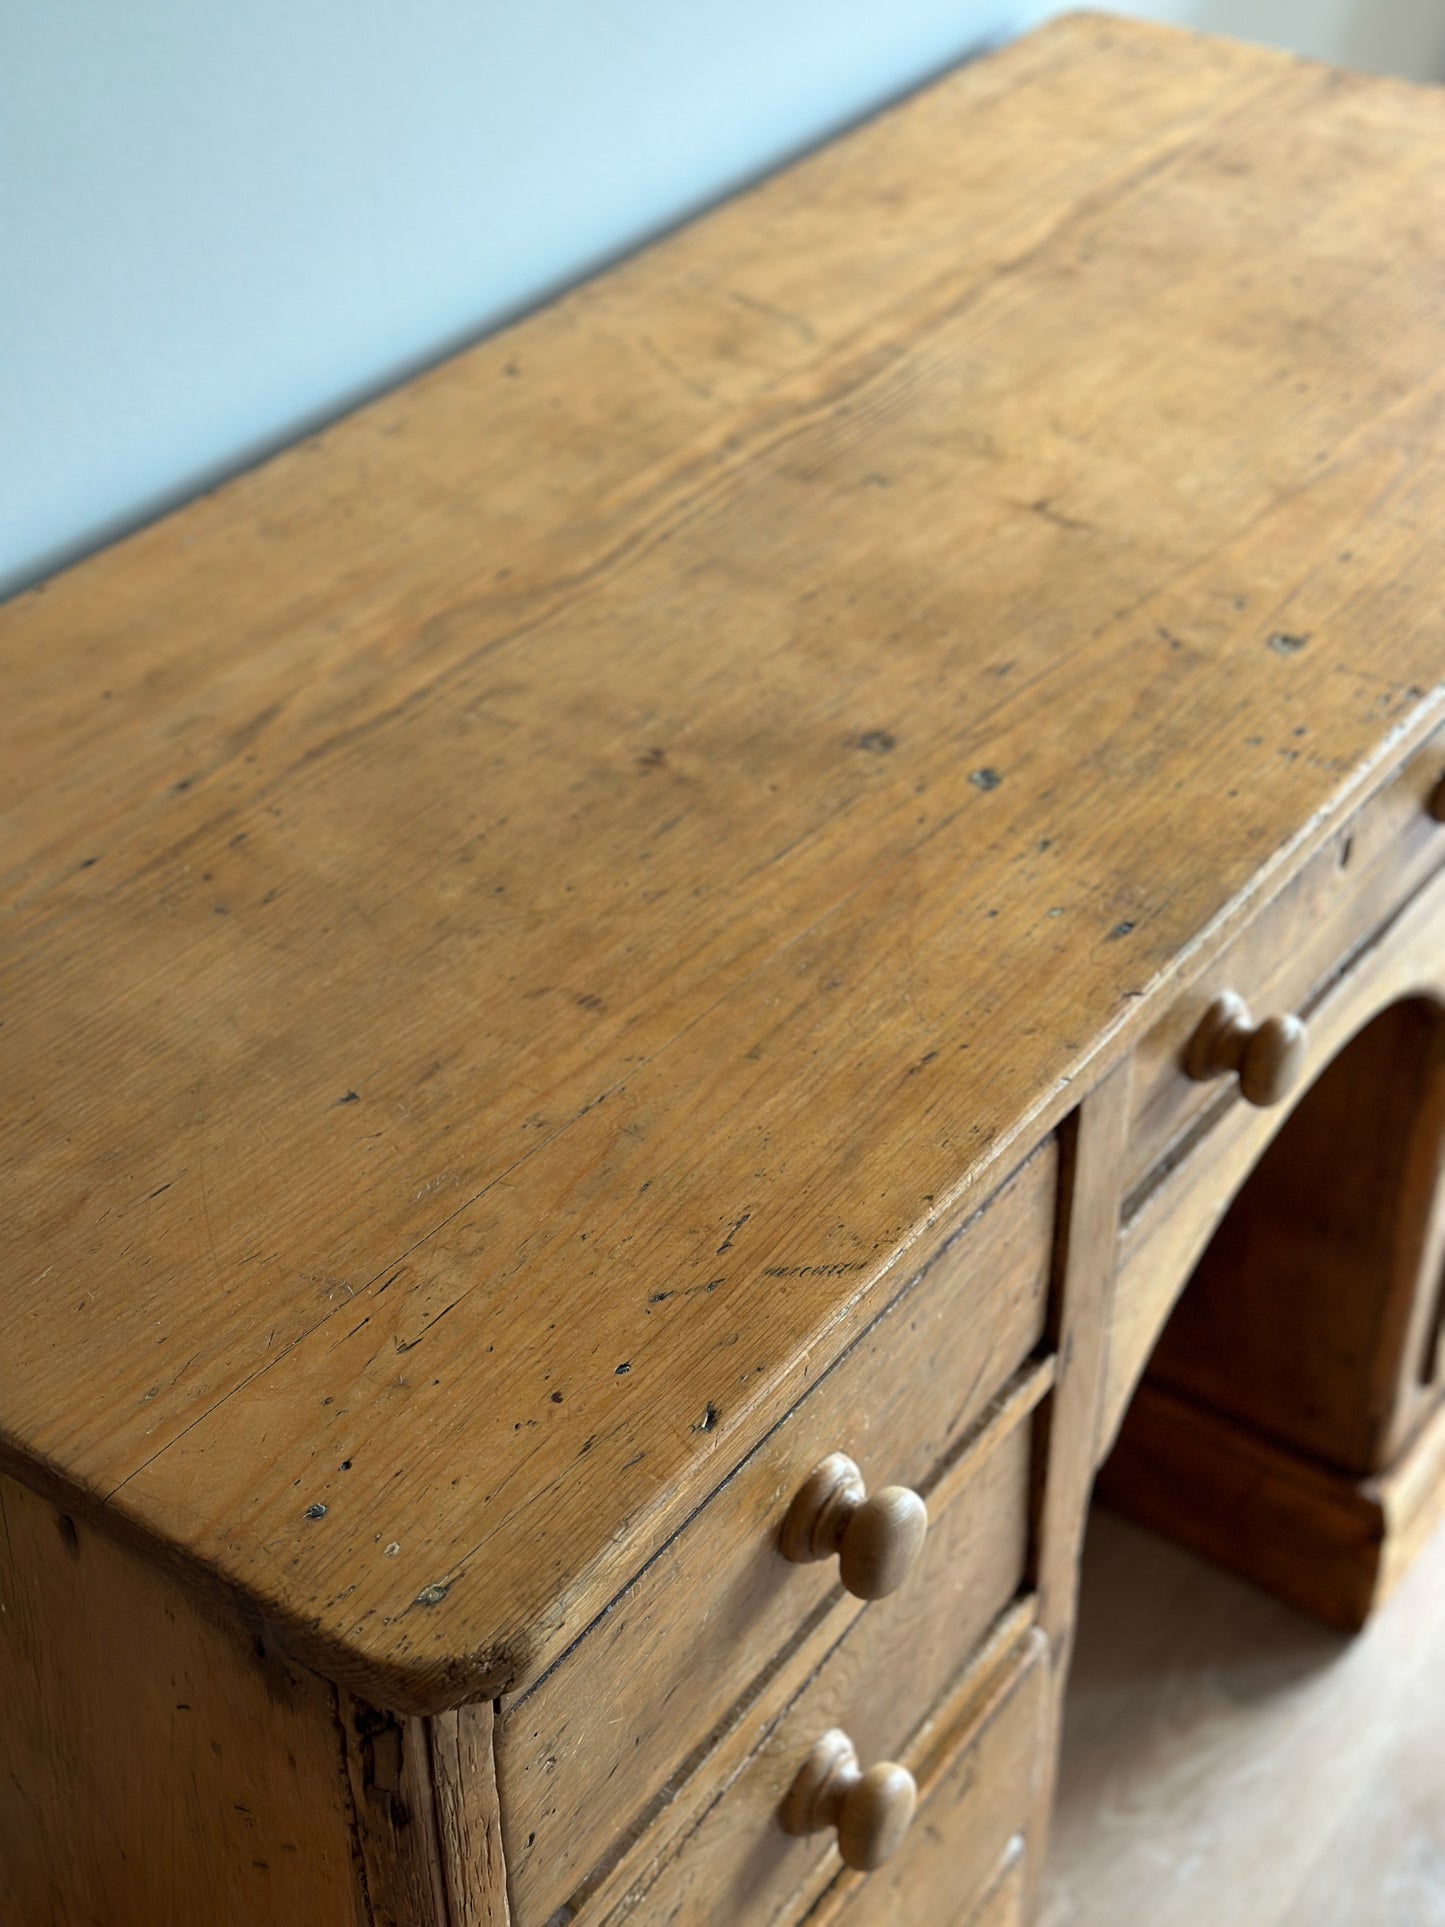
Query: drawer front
<point x="1004" y="1904"/>
<point x="1307" y="1317"/>
<point x="962" y="1862"/>
<point x="1383" y="1340"/>
<point x="588" y="1755"/>
<point x="1294" y="945"/>
<point x="881" y="1685"/>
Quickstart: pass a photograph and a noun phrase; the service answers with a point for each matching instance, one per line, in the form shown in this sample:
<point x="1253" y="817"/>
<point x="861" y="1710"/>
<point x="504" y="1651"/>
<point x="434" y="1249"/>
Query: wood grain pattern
<point x="678" y="801"/>
<point x="585" y="1754"/>
<point x="388" y="1763"/>
<point x="161" y="1768"/>
<point x="468" y="1810"/>
<point x="424" y="1793"/>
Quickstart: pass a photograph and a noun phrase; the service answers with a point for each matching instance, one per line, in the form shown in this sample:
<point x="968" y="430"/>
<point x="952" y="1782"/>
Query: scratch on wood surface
<point x="800" y="324"/>
<point x="406" y="1345"/>
<point x="680" y="375"/>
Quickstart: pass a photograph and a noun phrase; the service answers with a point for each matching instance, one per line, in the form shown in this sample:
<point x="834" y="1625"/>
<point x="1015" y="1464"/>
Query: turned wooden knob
<point x="1268" y="1058"/>
<point x="871" y="1810"/>
<point x="876" y="1540"/>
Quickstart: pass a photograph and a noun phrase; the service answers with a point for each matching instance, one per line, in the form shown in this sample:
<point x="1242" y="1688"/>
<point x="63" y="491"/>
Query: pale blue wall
<point x="220" y="223"/>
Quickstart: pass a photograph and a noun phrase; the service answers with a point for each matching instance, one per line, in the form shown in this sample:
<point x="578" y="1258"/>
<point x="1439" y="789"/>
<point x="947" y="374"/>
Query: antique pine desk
<point x="756" y="873"/>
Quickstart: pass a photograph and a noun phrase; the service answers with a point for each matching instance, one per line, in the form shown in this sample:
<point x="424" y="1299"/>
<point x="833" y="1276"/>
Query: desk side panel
<point x="161" y="1767"/>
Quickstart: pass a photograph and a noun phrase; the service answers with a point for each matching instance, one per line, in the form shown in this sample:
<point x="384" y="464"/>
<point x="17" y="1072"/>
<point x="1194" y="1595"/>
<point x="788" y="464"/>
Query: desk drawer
<point x="962" y="1862"/>
<point x="1332" y="1272"/>
<point x="881" y="1684"/>
<point x="588" y="1757"/>
<point x="1005" y="1902"/>
<point x="1298" y="941"/>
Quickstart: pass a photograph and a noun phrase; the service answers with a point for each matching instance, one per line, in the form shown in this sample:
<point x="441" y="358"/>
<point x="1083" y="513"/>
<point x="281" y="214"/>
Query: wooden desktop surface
<point x="521" y="910"/>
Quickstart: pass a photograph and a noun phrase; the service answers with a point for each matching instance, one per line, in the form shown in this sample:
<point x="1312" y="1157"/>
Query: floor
<point x="1228" y="1763"/>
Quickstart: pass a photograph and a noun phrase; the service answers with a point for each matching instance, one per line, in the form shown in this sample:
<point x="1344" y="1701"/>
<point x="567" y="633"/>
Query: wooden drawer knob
<point x="876" y="1540"/>
<point x="871" y="1810"/>
<point x="1269" y="1058"/>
